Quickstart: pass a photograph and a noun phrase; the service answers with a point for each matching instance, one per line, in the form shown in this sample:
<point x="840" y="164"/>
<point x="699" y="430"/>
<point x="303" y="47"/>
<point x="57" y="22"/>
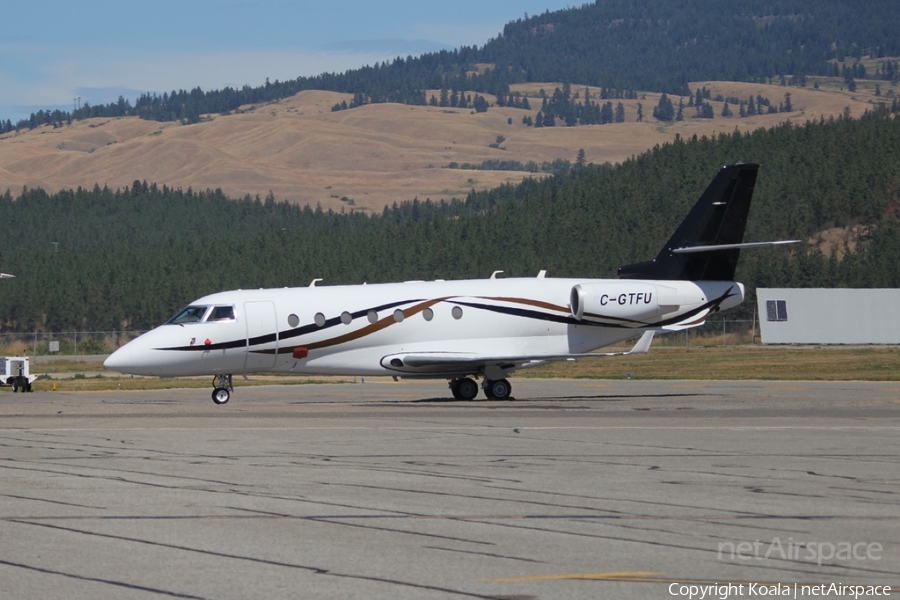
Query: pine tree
<point x="606" y="113"/>
<point x="664" y="111"/>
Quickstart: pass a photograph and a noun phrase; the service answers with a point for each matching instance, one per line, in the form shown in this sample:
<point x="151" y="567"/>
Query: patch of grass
<point x="823" y="363"/>
<point x="66" y="366"/>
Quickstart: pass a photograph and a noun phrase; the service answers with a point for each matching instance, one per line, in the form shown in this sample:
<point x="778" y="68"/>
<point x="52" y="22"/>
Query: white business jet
<point x="458" y="330"/>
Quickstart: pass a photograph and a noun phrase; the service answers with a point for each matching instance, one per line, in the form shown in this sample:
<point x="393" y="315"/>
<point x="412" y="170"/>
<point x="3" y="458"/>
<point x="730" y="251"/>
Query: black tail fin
<point x="718" y="218"/>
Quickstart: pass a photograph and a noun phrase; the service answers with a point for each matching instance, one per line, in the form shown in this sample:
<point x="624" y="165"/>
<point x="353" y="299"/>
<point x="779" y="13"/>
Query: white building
<point x="829" y="316"/>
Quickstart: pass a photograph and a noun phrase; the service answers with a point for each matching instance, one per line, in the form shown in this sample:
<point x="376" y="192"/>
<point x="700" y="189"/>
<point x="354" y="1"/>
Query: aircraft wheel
<point x="15" y="385"/>
<point x="454" y="387"/>
<point x="28" y="387"/>
<point x="467" y="388"/>
<point x="498" y="390"/>
<point x="221" y="395"/>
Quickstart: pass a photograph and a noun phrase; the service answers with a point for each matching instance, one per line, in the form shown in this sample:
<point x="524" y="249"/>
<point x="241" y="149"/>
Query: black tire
<point x="454" y="388"/>
<point x="221" y="396"/>
<point x="499" y="389"/>
<point x="27" y="387"/>
<point x="467" y="388"/>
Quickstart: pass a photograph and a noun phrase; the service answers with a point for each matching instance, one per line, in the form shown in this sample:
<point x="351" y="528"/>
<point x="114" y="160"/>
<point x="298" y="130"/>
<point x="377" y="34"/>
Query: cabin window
<point x="372" y="316"/>
<point x="428" y="314"/>
<point x="293" y="320"/>
<point x="398" y="315"/>
<point x="191" y="314"/>
<point x="221" y="313"/>
<point x="319" y="319"/>
<point x="456" y="312"/>
<point x="346" y="318"/>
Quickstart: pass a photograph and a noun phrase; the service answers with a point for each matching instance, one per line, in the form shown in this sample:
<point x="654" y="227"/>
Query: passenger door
<point x="262" y="334"/>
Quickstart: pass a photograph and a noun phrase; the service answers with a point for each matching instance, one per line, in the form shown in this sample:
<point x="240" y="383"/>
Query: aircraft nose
<point x="122" y="360"/>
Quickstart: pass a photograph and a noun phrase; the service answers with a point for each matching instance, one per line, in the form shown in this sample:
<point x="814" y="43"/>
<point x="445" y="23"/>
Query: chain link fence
<point x="715" y="332"/>
<point x="64" y="343"/>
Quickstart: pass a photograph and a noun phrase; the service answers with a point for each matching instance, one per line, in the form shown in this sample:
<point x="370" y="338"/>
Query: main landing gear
<point x="465" y="388"/>
<point x="223" y="388"/>
<point x="496" y="389"/>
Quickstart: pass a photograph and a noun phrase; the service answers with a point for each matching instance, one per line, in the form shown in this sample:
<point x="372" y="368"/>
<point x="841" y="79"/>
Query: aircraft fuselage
<point x="366" y="329"/>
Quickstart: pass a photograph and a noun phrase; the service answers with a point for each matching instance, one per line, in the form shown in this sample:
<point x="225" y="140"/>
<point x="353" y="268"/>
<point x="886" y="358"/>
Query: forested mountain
<point x="127" y="259"/>
<point x="654" y="45"/>
<point x="661" y="45"/>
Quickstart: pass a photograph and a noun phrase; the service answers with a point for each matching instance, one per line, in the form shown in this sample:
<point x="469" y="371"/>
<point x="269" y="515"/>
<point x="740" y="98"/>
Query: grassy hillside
<point x="374" y="155"/>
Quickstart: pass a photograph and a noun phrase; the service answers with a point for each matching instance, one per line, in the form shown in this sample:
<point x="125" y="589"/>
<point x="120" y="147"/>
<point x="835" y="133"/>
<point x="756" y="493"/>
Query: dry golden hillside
<point x="373" y="155"/>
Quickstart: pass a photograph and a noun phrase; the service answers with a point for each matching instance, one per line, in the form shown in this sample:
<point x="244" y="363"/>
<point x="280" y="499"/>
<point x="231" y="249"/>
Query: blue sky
<point x="51" y="51"/>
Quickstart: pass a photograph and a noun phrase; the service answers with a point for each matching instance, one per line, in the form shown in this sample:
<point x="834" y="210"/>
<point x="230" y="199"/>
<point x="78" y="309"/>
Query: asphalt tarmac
<point x="575" y="489"/>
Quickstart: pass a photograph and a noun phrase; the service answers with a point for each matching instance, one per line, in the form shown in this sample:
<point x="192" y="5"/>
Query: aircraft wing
<point x="467" y="363"/>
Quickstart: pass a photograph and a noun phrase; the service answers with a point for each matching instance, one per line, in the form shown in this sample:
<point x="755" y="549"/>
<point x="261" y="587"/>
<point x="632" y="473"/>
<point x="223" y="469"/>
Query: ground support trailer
<point x="15" y="371"/>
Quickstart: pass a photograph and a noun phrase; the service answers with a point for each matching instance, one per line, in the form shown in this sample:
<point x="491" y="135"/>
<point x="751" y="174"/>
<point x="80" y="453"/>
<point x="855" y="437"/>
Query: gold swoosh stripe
<point x="367" y="330"/>
<point x="528" y="302"/>
<point x="409" y="312"/>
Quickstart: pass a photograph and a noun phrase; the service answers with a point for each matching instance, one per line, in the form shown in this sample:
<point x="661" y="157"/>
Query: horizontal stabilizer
<point x="715" y="247"/>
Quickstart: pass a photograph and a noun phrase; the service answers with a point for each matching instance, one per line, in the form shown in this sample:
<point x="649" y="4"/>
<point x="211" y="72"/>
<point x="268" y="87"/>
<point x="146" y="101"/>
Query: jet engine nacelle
<point x="630" y="301"/>
<point x="640" y="301"/>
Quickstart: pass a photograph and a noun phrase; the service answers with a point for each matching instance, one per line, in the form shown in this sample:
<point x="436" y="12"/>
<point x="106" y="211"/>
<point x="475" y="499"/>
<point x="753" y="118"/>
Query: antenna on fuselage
<point x="313" y="282"/>
<point x="494" y="274"/>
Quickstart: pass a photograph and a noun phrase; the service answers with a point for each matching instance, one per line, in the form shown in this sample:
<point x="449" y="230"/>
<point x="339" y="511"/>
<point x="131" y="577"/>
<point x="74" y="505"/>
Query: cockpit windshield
<point x="203" y="314"/>
<point x="191" y="314"/>
<point x="221" y="313"/>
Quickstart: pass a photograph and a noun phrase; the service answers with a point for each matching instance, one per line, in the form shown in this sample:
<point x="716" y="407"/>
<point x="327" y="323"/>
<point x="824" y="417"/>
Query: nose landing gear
<point x="223" y="388"/>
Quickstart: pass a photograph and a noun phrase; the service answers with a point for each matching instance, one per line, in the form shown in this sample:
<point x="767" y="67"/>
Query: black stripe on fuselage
<point x="287" y="334"/>
<point x="525" y="313"/>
